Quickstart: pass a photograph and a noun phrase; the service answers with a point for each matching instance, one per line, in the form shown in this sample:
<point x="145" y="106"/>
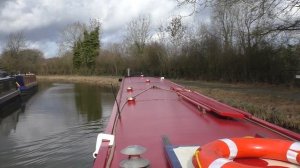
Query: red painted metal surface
<point x="210" y="104"/>
<point x="162" y="108"/>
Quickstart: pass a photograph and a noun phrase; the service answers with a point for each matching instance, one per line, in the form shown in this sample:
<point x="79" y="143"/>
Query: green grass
<point x="268" y="113"/>
<point x="278" y="105"/>
<point x="104" y="81"/>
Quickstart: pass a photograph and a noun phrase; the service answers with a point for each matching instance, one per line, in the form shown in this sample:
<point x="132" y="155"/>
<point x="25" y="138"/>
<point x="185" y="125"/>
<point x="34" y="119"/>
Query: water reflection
<point x="58" y="127"/>
<point x="9" y="123"/>
<point x="10" y="107"/>
<point x="88" y="101"/>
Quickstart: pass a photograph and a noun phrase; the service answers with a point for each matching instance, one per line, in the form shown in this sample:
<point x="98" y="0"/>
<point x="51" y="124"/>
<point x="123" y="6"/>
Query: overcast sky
<point x="42" y="20"/>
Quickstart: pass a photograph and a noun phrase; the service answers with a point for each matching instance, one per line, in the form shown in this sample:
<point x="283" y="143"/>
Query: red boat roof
<point x="159" y="108"/>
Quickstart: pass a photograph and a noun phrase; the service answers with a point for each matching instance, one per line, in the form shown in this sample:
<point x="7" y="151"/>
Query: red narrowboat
<point x="159" y="124"/>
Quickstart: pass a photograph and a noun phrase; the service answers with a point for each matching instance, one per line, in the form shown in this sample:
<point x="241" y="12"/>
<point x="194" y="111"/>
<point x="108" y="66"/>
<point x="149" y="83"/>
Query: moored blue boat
<point x="27" y="83"/>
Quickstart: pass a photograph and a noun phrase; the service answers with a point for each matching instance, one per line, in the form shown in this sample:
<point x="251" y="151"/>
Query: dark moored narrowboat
<point x="27" y="83"/>
<point x="8" y="90"/>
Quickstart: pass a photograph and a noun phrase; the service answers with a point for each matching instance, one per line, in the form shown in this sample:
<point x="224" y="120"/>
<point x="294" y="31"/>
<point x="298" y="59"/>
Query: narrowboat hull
<point x="9" y="92"/>
<point x="6" y="98"/>
<point x="28" y="90"/>
<point x="171" y="122"/>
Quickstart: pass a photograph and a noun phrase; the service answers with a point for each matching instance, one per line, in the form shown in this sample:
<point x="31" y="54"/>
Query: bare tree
<point x="285" y="14"/>
<point x="94" y="24"/>
<point x="11" y="56"/>
<point x="15" y="43"/>
<point x="31" y="60"/>
<point x="161" y="34"/>
<point x="69" y="35"/>
<point x="138" y="32"/>
<point x="224" y="20"/>
<point x="176" y="30"/>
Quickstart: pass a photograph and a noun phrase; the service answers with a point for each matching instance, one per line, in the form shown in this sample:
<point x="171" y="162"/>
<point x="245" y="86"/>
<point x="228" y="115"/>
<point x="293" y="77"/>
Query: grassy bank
<point x="104" y="81"/>
<point x="276" y="104"/>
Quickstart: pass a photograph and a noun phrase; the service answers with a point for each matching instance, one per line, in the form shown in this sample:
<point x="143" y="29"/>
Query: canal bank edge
<point x="103" y="81"/>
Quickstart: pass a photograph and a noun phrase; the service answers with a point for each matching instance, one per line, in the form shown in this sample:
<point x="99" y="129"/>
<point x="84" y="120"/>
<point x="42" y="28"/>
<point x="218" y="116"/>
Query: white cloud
<point x="29" y="14"/>
<point x="48" y="17"/>
<point x="49" y="48"/>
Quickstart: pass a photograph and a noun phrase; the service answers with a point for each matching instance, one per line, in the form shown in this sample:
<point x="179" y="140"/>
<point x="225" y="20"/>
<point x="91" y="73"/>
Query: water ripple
<point x="56" y="133"/>
<point x="71" y="144"/>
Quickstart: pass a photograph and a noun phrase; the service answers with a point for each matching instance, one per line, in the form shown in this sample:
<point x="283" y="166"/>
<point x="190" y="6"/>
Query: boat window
<point x="4" y="86"/>
<point x="1" y="87"/>
<point x="7" y="85"/>
<point x="12" y="85"/>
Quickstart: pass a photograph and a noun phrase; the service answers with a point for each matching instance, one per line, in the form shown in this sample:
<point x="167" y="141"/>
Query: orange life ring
<point x="220" y="153"/>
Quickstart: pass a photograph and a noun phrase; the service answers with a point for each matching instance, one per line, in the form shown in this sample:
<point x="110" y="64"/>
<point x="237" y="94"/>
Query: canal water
<point x="56" y="127"/>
